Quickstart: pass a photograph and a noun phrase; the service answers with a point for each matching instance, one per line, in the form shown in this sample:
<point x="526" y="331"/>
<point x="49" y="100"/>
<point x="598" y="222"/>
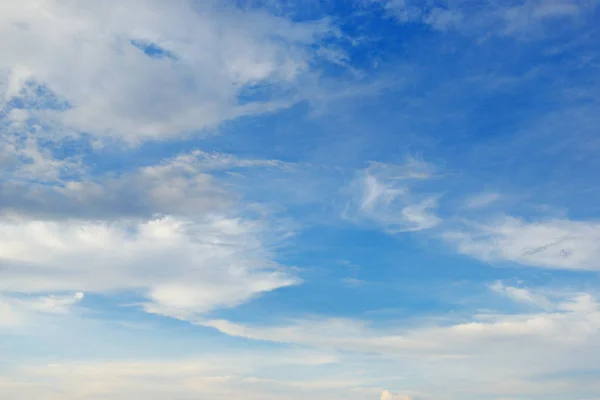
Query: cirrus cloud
<point x="555" y="244"/>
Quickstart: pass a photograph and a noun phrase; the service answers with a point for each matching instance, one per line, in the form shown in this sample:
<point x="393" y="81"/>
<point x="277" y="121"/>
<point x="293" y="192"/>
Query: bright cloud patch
<point x="387" y="395"/>
<point x="180" y="268"/>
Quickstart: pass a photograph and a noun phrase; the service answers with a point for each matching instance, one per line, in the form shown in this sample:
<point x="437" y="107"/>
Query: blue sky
<point x="369" y="199"/>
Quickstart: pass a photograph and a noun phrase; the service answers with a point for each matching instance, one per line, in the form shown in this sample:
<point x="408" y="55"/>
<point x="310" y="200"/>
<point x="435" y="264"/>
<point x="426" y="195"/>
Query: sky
<point x="284" y="199"/>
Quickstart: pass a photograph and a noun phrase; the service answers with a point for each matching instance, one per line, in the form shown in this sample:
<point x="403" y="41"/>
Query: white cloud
<point x="22" y="157"/>
<point x="17" y="311"/>
<point x="526" y="19"/>
<point x="381" y="194"/>
<point x="81" y="66"/>
<point x="505" y="354"/>
<point x="403" y="10"/>
<point x="336" y="333"/>
<point x="481" y="200"/>
<point x="170" y="233"/>
<point x="472" y="357"/>
<point x="178" y="267"/>
<point x="521" y="295"/>
<point x="9" y="317"/>
<point x="564" y="323"/>
<point x="205" y="161"/>
<point x="183" y="185"/>
<point x="557" y="244"/>
<point x="420" y="216"/>
<point x="57" y="304"/>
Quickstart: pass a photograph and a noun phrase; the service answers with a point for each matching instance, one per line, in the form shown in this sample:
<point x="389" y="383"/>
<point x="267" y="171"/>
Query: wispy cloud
<point x="481" y="200"/>
<point x="483" y="349"/>
<point x="558" y="244"/>
<point x="522" y="295"/>
<point x="381" y="194"/>
<point x="526" y="19"/>
<point x="18" y="311"/>
<point x="441" y="341"/>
